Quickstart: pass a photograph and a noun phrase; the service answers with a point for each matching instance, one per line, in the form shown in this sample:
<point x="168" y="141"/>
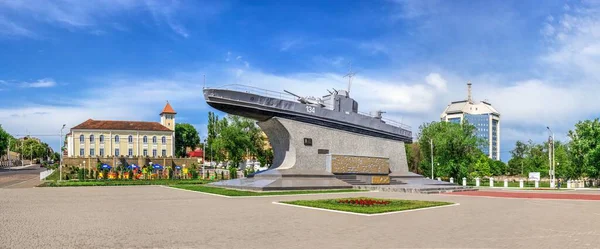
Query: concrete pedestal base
<point x="301" y="152"/>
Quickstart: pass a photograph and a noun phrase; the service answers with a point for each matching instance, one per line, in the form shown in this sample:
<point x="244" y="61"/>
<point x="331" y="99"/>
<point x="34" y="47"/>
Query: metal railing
<point x="256" y="90"/>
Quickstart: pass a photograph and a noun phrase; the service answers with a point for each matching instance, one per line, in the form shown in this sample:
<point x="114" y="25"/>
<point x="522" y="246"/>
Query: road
<point x="21" y="178"/>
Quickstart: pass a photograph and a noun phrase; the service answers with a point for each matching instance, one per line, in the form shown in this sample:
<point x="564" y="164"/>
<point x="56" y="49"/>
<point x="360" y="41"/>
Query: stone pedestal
<point x="451" y="179"/>
<point x="439" y="179"/>
<point x="302" y="151"/>
<point x="491" y="182"/>
<point x="464" y="181"/>
<point x="537" y="184"/>
<point x="569" y="184"/>
<point x="506" y="183"/>
<point x="477" y="182"/>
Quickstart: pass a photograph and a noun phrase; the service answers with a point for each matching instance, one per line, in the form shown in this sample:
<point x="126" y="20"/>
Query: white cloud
<point x="436" y="80"/>
<point x="39" y="83"/>
<point x="88" y="15"/>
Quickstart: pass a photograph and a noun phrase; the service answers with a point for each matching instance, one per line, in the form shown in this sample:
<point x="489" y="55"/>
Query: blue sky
<point x="65" y="61"/>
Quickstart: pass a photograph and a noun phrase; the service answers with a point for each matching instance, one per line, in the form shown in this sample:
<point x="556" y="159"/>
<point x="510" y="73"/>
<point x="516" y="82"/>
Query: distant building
<point x="483" y="116"/>
<point x="107" y="138"/>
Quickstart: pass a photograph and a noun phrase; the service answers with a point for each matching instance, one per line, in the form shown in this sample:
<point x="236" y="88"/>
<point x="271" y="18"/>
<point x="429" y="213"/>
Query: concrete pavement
<point x="160" y="217"/>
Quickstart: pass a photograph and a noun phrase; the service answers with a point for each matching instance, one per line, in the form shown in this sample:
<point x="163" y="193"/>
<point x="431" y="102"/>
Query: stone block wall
<point x="343" y="164"/>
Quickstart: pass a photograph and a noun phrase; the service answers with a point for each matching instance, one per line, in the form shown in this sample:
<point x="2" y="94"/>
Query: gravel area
<point x="162" y="217"/>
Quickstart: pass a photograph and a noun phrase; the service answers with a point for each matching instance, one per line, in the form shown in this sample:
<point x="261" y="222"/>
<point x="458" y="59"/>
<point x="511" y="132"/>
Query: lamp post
<point x="61" y="153"/>
<point x="551" y="157"/>
<point x="431" y="143"/>
<point x="84" y="169"/>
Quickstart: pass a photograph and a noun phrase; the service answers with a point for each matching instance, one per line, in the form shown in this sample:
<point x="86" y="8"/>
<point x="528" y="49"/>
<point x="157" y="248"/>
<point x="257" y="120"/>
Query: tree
<point x="413" y="156"/>
<point x="4" y="140"/>
<point x="481" y="167"/>
<point x="185" y="136"/>
<point x="455" y="148"/>
<point x="515" y="164"/>
<point x="497" y="167"/>
<point x="235" y="138"/>
<point x="585" y="148"/>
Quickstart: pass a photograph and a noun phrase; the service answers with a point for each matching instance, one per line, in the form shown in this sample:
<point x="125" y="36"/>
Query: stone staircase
<point x="351" y="179"/>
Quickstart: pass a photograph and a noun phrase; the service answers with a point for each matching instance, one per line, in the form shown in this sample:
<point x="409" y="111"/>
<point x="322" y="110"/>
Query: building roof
<point x="91" y="124"/>
<point x="168" y="109"/>
<point x="470" y="108"/>
<point x="196" y="153"/>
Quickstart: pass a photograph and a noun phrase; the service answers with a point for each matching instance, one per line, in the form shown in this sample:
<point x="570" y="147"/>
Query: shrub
<point x="194" y="174"/>
<point x="222" y="175"/>
<point x="80" y="174"/>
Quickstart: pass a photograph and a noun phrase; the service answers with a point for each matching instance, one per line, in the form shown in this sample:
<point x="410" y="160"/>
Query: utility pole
<point x="431" y="143"/>
<point x="61" y="153"/>
<point x="551" y="156"/>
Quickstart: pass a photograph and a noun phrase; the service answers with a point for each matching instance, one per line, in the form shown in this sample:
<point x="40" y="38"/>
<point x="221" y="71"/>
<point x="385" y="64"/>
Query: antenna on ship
<point x="350" y="74"/>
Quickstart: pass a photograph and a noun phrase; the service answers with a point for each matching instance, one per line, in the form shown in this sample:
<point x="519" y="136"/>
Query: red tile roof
<point x="168" y="109"/>
<point x="91" y="124"/>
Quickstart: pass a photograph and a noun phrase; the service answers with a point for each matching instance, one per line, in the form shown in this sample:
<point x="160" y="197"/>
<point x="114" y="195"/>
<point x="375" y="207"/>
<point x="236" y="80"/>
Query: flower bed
<point x="363" y="202"/>
<point x="365" y="205"/>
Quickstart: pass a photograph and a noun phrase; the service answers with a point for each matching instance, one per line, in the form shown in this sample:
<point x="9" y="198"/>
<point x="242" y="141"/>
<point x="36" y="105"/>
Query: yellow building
<point x="107" y="138"/>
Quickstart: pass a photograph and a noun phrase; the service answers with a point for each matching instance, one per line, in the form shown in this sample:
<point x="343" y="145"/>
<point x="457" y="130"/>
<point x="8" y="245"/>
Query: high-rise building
<point x="483" y="116"/>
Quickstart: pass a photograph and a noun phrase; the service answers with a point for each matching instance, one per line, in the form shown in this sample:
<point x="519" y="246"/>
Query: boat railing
<point x="389" y="121"/>
<point x="258" y="91"/>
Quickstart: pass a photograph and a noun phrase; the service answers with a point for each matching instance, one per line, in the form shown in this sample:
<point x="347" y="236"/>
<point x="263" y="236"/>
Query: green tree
<point x="481" y="167"/>
<point x="516" y="163"/>
<point x="185" y="136"/>
<point x="497" y="167"/>
<point x="585" y="148"/>
<point x="235" y="139"/>
<point x="413" y="156"/>
<point x="454" y="145"/>
<point x="4" y="140"/>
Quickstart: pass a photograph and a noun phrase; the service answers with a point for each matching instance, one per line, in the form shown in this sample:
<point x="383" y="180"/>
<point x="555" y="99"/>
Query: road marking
<point x="360" y="214"/>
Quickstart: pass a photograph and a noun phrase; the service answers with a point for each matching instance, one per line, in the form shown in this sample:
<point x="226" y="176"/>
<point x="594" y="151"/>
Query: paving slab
<point x="160" y="217"/>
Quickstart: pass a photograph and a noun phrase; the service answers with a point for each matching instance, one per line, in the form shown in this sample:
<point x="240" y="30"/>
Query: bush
<point x="105" y="174"/>
<point x="222" y="175"/>
<point x="194" y="174"/>
<point x="80" y="174"/>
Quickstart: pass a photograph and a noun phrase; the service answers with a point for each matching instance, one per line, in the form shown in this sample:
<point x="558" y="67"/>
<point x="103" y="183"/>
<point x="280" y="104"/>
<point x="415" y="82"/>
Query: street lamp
<point x="61" y="152"/>
<point x="551" y="158"/>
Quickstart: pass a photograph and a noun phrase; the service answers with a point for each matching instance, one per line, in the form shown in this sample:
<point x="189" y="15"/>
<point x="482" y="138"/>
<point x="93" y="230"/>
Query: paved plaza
<point x="162" y="217"/>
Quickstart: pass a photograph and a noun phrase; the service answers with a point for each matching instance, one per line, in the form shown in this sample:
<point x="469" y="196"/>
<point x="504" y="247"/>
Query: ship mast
<point x="350" y="74"/>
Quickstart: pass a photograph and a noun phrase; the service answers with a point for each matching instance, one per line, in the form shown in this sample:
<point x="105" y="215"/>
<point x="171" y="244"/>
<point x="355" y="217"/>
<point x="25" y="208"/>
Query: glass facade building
<point x="483" y="116"/>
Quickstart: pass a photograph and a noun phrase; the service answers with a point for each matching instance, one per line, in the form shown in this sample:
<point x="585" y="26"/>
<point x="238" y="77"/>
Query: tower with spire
<point x="167" y="117"/>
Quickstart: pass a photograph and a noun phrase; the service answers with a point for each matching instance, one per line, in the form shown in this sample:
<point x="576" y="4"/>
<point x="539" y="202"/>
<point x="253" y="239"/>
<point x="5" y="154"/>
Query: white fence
<point x="45" y="174"/>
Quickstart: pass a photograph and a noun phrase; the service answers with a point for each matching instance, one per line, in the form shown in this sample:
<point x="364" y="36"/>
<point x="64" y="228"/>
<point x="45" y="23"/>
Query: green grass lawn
<point x="233" y="192"/>
<point x="393" y="206"/>
<point x="122" y="183"/>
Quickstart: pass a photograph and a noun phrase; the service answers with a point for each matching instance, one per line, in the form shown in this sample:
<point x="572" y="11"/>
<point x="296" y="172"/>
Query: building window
<point x="145" y="140"/>
<point x="92" y="152"/>
<point x="81" y="152"/>
<point x="116" y="152"/>
<point x="101" y="138"/>
<point x="116" y="138"/>
<point x="154" y="152"/>
<point x="154" y="139"/>
<point x="101" y="152"/>
<point x="145" y="152"/>
<point x="81" y="139"/>
<point x="130" y="139"/>
<point x="164" y="140"/>
<point x="91" y="138"/>
<point x="164" y="153"/>
<point x="130" y="152"/>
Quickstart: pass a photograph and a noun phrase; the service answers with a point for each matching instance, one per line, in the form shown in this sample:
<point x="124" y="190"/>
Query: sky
<point x="65" y="61"/>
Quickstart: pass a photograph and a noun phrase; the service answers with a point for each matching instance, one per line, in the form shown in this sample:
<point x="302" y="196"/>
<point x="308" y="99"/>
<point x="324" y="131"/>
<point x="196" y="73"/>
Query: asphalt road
<point x="161" y="217"/>
<point x="21" y="178"/>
